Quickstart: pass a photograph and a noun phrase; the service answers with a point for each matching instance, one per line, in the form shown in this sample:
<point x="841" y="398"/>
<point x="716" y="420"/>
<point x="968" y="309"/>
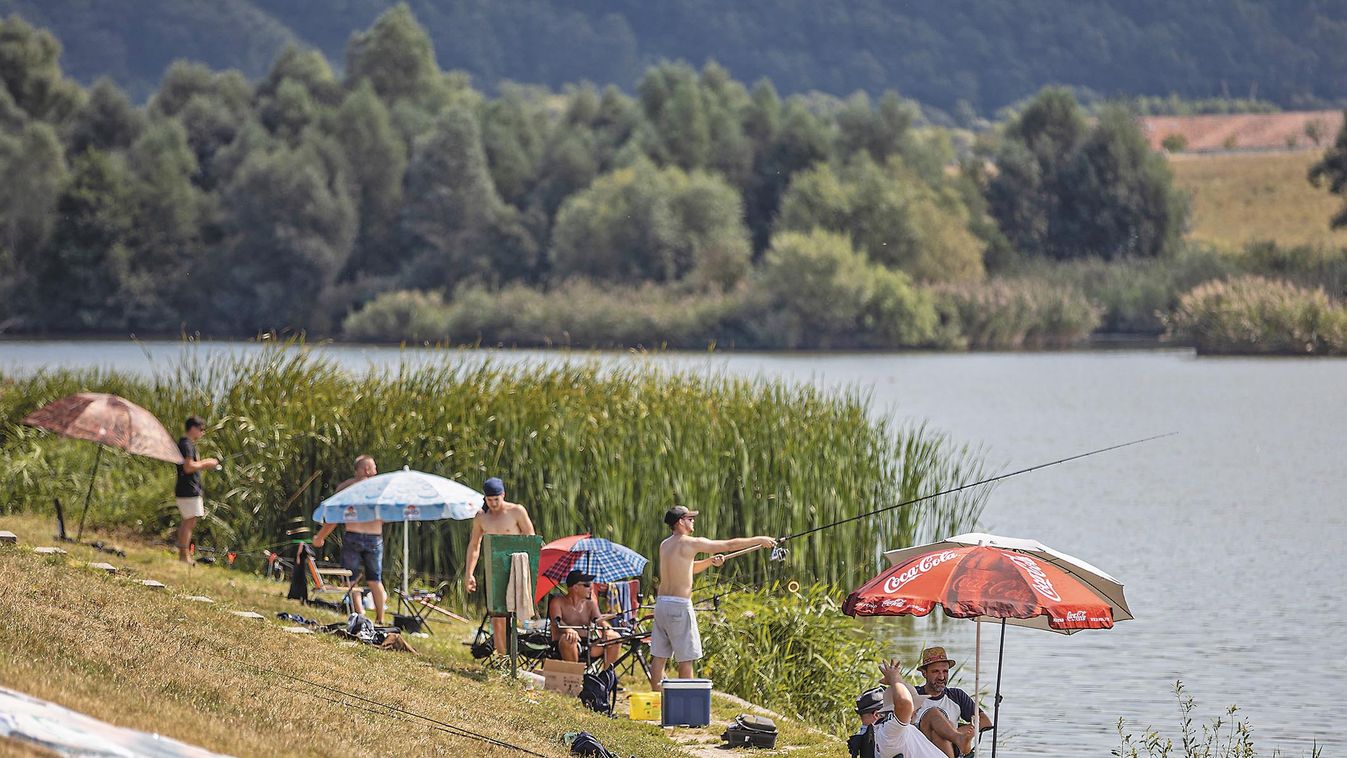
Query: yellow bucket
<point x="645" y="706"/>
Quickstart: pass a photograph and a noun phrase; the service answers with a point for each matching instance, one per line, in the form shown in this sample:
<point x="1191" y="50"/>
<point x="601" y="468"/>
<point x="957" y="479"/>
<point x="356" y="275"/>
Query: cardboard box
<point x="563" y="677"/>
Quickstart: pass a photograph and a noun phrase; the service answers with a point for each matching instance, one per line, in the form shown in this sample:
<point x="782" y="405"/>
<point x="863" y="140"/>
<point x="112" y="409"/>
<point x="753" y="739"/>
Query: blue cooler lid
<point x="686" y="684"/>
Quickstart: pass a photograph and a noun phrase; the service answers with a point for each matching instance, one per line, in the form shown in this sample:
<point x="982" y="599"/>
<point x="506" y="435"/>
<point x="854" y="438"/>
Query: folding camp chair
<point x="420" y="605"/>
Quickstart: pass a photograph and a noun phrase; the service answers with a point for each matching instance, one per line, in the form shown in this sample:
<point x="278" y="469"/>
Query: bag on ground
<point x="586" y="744"/>
<point x="597" y="691"/>
<point x="748" y="730"/>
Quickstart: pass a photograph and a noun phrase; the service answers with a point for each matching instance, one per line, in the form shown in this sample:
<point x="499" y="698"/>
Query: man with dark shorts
<point x="188" y="492"/>
<point x="674" y="633"/>
<point x="362" y="547"/>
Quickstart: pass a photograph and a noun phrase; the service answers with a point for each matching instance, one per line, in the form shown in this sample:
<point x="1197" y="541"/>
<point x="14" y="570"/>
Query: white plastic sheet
<point x="66" y="732"/>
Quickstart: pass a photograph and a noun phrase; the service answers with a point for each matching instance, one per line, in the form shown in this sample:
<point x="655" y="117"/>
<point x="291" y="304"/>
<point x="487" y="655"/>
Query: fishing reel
<point x="779" y="552"/>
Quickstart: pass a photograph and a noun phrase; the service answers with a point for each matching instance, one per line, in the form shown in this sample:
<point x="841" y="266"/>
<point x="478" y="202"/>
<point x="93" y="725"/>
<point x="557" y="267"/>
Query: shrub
<point x="1011" y="313"/>
<point x="398" y="316"/>
<point x="1228" y="735"/>
<point x="792" y="652"/>
<point x="1174" y="143"/>
<point x="1253" y="315"/>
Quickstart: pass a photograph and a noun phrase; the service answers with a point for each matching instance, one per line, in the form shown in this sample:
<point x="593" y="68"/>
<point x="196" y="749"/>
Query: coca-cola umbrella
<point x="986" y="578"/>
<point x="108" y="420"/>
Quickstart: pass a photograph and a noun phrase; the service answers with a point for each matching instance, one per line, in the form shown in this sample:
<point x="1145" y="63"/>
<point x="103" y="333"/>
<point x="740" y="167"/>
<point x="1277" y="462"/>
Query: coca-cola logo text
<point x="1039" y="580"/>
<point x="927" y="562"/>
<point x="1075" y="616"/>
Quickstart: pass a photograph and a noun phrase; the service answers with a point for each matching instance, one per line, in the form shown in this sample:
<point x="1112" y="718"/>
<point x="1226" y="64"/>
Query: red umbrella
<point x="108" y="420"/>
<point x="556" y="559"/>
<point x="996" y="578"/>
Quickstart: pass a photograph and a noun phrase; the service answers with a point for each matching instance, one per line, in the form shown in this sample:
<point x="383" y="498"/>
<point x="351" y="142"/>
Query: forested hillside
<point x="979" y="53"/>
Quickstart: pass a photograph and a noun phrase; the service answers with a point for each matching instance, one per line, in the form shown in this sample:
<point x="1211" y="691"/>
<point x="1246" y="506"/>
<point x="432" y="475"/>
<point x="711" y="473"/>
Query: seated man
<point x="578" y="608"/>
<point x="870" y="707"/>
<point x="943" y="707"/>
<point x="897" y="736"/>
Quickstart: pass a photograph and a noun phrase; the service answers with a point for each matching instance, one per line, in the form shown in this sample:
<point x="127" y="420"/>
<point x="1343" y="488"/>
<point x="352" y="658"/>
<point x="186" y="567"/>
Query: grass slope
<point x="1244" y="197"/>
<point x="154" y="661"/>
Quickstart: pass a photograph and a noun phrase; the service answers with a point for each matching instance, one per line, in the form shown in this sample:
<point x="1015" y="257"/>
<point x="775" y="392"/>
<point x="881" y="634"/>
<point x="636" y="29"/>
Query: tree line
<point x="304" y="198"/>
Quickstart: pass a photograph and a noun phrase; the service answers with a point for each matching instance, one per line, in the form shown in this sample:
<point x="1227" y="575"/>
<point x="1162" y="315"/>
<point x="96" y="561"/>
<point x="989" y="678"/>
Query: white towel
<point x="519" y="589"/>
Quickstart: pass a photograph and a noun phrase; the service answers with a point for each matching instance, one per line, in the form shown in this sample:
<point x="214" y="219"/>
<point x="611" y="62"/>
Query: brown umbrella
<point x="108" y="420"/>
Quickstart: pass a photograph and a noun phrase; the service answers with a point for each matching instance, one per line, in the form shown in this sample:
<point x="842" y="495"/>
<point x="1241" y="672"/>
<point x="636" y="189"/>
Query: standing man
<point x="577" y="608"/>
<point x="938" y="713"/>
<point x="188" y="492"/>
<point x="897" y="736"/>
<point x="497" y="517"/>
<point x="362" y="546"/>
<point x="675" y="634"/>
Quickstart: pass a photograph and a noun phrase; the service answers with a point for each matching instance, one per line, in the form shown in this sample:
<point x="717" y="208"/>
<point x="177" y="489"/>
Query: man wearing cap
<point x="940" y="708"/>
<point x="577" y="608"/>
<point x="674" y="633"/>
<point x="898" y="735"/>
<point x="870" y="707"/>
<point x="496" y="517"/>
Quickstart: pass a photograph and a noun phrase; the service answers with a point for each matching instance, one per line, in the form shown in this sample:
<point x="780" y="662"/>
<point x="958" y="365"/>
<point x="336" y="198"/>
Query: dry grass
<point x="151" y="660"/>
<point x="1239" y="198"/>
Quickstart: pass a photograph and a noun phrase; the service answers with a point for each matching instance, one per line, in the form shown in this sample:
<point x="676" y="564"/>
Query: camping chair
<point x="420" y="605"/>
<point x="624" y="599"/>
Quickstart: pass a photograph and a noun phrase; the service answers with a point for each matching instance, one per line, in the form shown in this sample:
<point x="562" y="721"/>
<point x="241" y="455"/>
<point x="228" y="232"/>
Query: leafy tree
<point x="513" y="130"/>
<point x="33" y="165"/>
<point x="643" y="223"/>
<point x="214" y="108"/>
<point x="107" y="120"/>
<point x="790" y="140"/>
<point x="1332" y="170"/>
<point x="30" y="70"/>
<point x="1064" y="189"/>
<point x="398" y="59"/>
<point x="378" y="161"/>
<point x="892" y="216"/>
<point x="879" y="132"/>
<point x="290" y="229"/>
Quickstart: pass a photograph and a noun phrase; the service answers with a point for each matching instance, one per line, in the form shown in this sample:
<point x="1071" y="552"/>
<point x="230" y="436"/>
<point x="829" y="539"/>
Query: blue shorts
<point x="363" y="551"/>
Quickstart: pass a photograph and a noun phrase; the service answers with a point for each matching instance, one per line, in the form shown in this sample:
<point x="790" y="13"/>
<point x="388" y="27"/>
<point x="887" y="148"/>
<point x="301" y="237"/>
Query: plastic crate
<point x="686" y="702"/>
<point x="645" y="706"/>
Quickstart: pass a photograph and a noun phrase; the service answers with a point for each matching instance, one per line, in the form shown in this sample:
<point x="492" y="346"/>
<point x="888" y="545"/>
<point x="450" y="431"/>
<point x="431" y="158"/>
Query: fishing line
<point x="444" y="726"/>
<point x="962" y="487"/>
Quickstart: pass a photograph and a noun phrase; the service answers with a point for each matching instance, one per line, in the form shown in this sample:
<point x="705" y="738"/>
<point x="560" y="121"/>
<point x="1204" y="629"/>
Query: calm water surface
<point x="1228" y="537"/>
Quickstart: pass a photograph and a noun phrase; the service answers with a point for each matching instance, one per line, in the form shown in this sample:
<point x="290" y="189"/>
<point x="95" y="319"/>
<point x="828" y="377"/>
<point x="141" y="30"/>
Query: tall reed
<point x="586" y="447"/>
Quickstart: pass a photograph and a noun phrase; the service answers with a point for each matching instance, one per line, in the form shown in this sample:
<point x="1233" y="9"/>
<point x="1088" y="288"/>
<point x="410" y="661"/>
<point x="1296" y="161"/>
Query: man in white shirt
<point x="896" y="736"/>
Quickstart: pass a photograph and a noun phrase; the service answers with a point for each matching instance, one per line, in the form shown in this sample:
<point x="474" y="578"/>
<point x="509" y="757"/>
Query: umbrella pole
<point x="996" y="703"/>
<point x="92" y="476"/>
<point x="406" y="525"/>
<point x="977" y="685"/>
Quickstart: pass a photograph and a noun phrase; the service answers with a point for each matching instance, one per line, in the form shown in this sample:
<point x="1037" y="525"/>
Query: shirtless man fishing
<point x="361" y="547"/>
<point x="497" y="517"/>
<point x="675" y="634"/>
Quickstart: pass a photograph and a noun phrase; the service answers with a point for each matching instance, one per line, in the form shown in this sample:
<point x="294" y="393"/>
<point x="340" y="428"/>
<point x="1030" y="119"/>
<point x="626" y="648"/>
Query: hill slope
<point x="986" y="54"/>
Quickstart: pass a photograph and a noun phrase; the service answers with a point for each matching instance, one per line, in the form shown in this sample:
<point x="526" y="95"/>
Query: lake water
<point x="1228" y="536"/>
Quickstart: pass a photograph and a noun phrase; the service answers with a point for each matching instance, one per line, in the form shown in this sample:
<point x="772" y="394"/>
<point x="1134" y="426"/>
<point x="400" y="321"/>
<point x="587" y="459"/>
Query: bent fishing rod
<point x="779" y="551"/>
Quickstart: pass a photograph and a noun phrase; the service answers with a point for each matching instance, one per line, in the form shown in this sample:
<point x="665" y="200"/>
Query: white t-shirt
<point x="894" y="738"/>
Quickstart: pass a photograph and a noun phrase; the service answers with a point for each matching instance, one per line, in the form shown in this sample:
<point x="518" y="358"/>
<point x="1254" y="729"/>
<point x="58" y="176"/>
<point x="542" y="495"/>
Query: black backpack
<point x="750" y="731"/>
<point x="586" y="744"/>
<point x="598" y="691"/>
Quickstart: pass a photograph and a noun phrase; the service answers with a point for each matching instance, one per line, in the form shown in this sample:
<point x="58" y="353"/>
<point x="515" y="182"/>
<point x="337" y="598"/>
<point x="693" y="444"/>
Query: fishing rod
<point x="440" y="725"/>
<point x="779" y="551"/>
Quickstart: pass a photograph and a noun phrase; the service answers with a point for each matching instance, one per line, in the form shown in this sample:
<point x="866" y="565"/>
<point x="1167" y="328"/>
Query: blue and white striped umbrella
<point x="404" y="495"/>
<point x="606" y="561"/>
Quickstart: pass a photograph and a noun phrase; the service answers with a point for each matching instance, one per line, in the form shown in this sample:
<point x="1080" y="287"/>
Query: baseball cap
<point x="576" y="576"/>
<point x="677" y="512"/>
<point x="493" y="487"/>
<point x="870" y="701"/>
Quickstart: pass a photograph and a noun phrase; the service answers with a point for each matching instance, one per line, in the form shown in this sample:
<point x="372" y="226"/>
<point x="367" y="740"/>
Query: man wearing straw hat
<point x="940" y="708"/>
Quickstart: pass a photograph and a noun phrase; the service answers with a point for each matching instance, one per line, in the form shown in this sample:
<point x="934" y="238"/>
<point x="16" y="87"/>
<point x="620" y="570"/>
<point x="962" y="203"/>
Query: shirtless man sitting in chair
<point x="577" y="608"/>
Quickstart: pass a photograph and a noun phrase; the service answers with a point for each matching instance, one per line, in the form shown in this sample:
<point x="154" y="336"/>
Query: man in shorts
<point x="188" y="491"/>
<point x="674" y="633"/>
<point x="940" y="708"/>
<point x="577" y="608"/>
<point x="897" y="735"/>
<point x="498" y="516"/>
<point x="362" y="547"/>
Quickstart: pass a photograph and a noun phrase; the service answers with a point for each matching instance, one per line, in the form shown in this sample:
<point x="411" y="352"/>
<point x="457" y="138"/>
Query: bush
<point x="1012" y="313"/>
<point x="1255" y="315"/>
<point x="398" y="316"/>
<point x="794" y="653"/>
<point x="1228" y="735"/>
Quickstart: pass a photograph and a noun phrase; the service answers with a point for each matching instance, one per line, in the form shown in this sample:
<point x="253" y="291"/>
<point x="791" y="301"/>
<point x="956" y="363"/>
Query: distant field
<point x="1238" y="197"/>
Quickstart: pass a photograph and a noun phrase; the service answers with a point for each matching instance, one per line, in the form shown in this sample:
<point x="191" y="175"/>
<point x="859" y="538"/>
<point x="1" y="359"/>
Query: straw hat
<point x="934" y="655"/>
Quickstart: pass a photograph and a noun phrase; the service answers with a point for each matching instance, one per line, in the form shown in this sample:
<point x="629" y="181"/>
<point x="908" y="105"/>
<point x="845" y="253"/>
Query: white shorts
<point x="675" y="634"/>
<point x="192" y="507"/>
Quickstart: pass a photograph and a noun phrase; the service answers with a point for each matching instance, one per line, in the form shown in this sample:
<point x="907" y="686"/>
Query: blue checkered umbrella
<point x="606" y="561"/>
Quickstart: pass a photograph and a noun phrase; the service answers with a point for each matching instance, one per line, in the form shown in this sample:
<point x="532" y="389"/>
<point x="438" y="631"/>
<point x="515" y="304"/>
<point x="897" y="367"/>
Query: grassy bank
<point x="1246" y="197"/>
<point x="87" y="640"/>
<point x="585" y="448"/>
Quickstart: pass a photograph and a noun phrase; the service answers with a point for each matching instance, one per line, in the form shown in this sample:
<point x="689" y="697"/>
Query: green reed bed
<point x="1256" y="315"/>
<point x="584" y="446"/>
